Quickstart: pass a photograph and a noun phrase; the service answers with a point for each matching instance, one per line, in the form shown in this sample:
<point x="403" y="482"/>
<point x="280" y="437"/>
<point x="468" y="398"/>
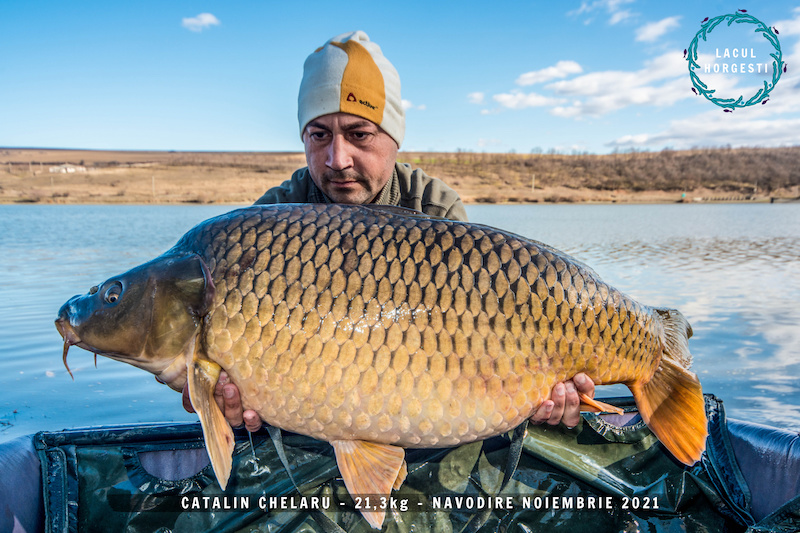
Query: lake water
<point x="733" y="270"/>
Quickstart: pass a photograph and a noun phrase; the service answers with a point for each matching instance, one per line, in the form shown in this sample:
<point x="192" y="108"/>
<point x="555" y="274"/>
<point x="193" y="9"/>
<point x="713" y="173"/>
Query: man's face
<point x="350" y="158"/>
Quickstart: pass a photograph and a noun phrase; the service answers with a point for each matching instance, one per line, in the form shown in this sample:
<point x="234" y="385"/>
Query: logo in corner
<point x="745" y="61"/>
<point x="351" y="97"/>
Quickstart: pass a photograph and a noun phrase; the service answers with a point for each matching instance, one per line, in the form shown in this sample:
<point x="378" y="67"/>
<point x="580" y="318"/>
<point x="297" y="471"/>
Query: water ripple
<point x="733" y="270"/>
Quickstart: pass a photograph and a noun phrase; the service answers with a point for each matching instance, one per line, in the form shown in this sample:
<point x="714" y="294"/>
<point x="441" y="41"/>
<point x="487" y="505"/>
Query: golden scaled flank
<point x="340" y="327"/>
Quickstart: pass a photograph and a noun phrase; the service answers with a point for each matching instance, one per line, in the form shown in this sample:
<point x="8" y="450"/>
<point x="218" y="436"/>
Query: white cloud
<point x="570" y="111"/>
<point x="652" y="31"/>
<point x="789" y="27"/>
<point x="520" y="100"/>
<point x="743" y="127"/>
<point x="200" y="22"/>
<point x="612" y="7"/>
<point x="662" y="81"/>
<point x="407" y="104"/>
<point x="562" y="69"/>
<point x="774" y="124"/>
<point x="606" y="102"/>
<point x="609" y="5"/>
<point x="476" y="97"/>
<point x="619" y="16"/>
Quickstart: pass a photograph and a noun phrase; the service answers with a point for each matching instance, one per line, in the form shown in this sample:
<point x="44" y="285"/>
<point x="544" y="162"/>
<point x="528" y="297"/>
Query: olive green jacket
<point x="410" y="188"/>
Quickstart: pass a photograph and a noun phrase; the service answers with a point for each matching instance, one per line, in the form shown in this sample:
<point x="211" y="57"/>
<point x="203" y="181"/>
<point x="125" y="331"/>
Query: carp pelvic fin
<point x="202" y="376"/>
<point x="370" y="468"/>
<point x="594" y="406"/>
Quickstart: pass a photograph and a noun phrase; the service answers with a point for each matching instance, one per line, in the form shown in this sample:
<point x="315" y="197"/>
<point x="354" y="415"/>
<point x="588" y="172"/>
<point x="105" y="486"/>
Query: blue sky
<point x="481" y="76"/>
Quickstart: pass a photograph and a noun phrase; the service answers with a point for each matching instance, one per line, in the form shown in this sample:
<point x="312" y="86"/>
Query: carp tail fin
<point x="672" y="406"/>
<point x="672" y="403"/>
<point x="202" y="377"/>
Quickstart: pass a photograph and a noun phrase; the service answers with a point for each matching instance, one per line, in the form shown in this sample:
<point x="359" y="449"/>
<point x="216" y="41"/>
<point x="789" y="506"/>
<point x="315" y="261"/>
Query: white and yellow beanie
<point x="349" y="74"/>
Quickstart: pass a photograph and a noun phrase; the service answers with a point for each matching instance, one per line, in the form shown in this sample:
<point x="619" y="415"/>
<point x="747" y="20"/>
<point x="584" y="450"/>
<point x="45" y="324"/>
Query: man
<point x="352" y="124"/>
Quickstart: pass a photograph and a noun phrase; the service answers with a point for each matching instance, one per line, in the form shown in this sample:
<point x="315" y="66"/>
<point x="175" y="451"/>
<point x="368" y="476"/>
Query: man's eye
<point x="360" y="135"/>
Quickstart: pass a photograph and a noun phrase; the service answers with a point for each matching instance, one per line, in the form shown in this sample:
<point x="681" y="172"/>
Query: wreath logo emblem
<point x="695" y="69"/>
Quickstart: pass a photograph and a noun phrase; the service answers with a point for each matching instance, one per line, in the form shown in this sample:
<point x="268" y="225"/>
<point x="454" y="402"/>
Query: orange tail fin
<point x="672" y="403"/>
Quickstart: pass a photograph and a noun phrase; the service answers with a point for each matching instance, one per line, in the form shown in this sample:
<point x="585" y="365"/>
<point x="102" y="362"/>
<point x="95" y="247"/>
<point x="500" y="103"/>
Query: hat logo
<point x="351" y="97"/>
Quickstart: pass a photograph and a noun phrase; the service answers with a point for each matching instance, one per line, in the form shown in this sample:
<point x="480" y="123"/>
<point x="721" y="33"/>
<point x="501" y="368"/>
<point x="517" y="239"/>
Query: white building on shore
<point x="66" y="168"/>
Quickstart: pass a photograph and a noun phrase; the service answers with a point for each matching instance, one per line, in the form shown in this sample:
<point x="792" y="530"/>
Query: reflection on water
<point x="731" y="269"/>
<point x="50" y="253"/>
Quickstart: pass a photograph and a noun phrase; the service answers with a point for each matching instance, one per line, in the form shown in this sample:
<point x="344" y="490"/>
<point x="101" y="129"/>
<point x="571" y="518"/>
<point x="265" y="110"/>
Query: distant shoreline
<point x="54" y="176"/>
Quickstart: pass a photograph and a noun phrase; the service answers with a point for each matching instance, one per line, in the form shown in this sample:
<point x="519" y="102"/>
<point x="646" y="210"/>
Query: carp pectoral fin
<point x="594" y="406"/>
<point x="672" y="406"/>
<point x="370" y="469"/>
<point x="202" y="376"/>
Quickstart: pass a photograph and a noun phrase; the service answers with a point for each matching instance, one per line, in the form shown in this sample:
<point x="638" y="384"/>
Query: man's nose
<point x="339" y="156"/>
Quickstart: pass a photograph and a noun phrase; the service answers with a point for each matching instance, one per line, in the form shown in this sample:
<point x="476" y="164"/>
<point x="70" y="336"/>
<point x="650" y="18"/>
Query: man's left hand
<point x="227" y="396"/>
<point x="564" y="404"/>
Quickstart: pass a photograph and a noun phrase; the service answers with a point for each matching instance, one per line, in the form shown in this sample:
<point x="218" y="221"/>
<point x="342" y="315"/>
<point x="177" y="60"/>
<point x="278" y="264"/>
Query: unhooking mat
<point x="594" y="478"/>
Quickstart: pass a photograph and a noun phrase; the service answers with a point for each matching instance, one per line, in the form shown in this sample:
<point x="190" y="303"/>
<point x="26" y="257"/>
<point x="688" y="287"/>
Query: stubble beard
<point x="357" y="192"/>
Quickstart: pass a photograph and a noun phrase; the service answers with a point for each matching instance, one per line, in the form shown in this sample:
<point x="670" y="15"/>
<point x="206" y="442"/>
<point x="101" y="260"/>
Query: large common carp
<point x="378" y="328"/>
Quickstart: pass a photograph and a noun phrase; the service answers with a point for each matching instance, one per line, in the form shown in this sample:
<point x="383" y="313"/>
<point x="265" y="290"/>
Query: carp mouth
<point x="71" y="338"/>
<point x="172" y="374"/>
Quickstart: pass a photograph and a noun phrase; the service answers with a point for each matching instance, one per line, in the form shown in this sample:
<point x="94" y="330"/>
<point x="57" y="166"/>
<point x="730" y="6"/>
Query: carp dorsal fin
<point x="370" y="469"/>
<point x="202" y="376"/>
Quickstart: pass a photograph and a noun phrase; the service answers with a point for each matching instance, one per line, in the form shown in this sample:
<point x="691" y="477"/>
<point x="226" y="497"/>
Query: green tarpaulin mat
<point x="593" y="478"/>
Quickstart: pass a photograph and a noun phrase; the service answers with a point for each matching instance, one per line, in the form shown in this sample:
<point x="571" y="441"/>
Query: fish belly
<point x="352" y="323"/>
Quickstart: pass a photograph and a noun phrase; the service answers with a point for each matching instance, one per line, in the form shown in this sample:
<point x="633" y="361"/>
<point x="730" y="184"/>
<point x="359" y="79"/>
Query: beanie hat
<point x="349" y="74"/>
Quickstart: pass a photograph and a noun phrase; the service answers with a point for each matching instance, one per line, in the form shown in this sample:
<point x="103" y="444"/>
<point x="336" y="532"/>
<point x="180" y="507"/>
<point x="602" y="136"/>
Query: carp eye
<point x="113" y="293"/>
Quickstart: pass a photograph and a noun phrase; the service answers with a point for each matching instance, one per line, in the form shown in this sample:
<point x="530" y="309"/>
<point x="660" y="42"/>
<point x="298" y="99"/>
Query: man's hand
<point x="226" y="394"/>
<point x="564" y="404"/>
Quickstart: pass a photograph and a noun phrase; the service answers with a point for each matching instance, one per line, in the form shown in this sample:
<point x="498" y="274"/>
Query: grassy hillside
<point x="720" y="172"/>
<point x="241" y="177"/>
